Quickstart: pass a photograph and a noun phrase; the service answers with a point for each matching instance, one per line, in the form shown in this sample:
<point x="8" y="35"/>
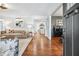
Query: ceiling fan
<point x="3" y="6"/>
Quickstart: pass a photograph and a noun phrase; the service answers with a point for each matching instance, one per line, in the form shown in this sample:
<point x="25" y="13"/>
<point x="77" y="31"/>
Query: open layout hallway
<point x="42" y="46"/>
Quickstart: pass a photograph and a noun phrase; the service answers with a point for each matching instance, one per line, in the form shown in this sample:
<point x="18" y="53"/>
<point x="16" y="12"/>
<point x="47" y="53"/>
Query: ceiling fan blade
<point x="2" y="7"/>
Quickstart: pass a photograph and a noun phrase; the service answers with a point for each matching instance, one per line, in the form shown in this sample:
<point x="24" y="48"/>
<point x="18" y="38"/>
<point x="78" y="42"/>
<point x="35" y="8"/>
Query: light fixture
<point x="19" y="18"/>
<point x="3" y="6"/>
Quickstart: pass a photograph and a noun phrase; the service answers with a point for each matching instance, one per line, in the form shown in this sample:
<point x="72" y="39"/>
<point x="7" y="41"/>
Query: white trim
<point x="49" y="27"/>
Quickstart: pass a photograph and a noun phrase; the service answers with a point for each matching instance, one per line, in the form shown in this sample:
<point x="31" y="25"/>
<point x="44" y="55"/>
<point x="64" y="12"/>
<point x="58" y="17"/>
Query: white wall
<point x="30" y="20"/>
<point x="12" y="22"/>
<point x="49" y="29"/>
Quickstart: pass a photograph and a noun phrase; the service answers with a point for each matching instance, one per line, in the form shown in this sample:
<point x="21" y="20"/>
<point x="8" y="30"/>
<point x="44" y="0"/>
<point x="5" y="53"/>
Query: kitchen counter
<point x="23" y="43"/>
<point x="9" y="47"/>
<point x="6" y="44"/>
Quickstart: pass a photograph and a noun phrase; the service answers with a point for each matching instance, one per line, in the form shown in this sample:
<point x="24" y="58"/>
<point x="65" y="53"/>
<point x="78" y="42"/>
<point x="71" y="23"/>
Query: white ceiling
<point x="59" y="11"/>
<point x="30" y="9"/>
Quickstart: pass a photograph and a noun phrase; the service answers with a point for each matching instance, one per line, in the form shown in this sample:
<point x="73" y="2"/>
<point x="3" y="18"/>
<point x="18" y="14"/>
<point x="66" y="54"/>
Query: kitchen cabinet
<point x="68" y="38"/>
<point x="76" y="34"/>
<point x="71" y="32"/>
<point x="69" y="5"/>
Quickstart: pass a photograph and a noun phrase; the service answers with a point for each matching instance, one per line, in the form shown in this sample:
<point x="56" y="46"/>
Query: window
<point x="59" y="22"/>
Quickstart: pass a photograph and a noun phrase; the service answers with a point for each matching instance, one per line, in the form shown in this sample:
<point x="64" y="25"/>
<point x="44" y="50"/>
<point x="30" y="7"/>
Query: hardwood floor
<point x="41" y="46"/>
